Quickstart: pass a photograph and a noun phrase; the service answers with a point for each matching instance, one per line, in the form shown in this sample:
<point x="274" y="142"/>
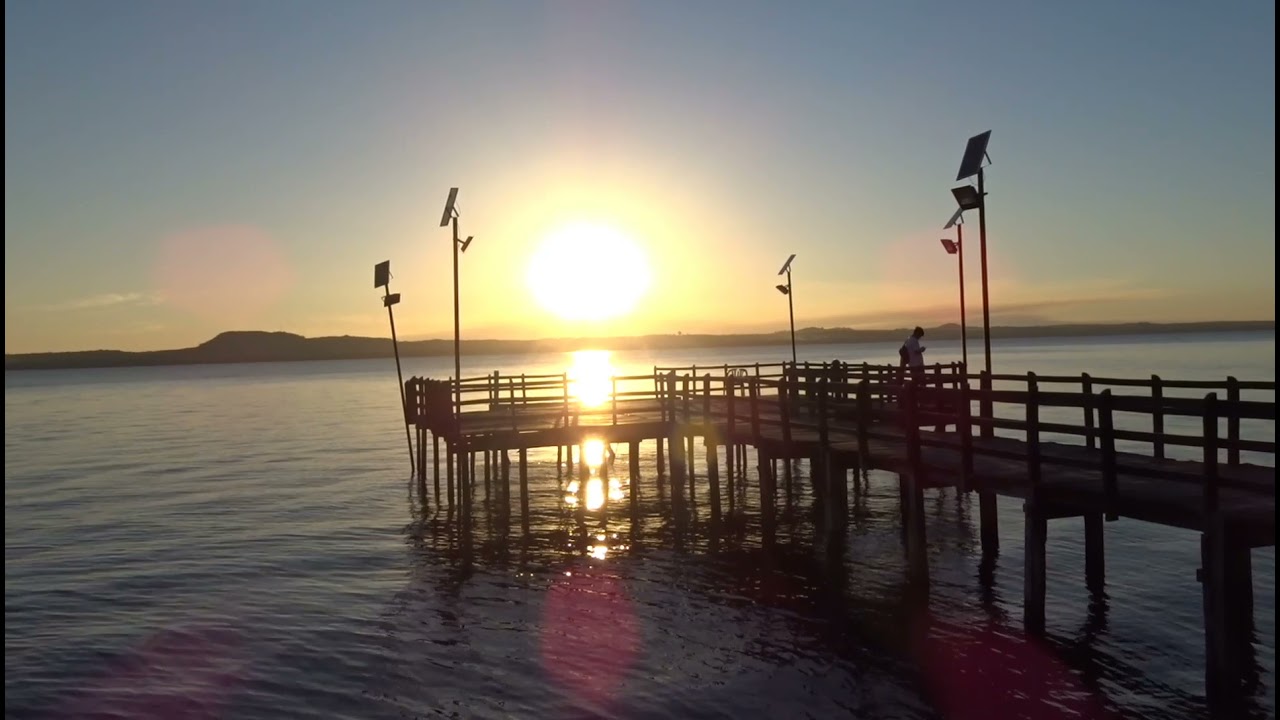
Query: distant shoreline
<point x="255" y="346"/>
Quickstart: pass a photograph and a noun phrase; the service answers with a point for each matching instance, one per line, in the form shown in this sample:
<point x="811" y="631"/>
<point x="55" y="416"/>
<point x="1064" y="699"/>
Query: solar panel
<point x="787" y="265"/>
<point x="382" y="274"/>
<point x="448" y="207"/>
<point x="973" y="154"/>
<point x="956" y="219"/>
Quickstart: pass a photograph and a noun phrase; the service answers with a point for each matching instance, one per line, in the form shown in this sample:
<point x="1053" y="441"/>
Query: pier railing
<point x="1152" y="419"/>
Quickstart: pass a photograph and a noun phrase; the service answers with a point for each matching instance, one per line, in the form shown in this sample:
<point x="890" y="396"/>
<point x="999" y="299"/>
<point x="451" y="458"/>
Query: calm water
<point x="241" y="542"/>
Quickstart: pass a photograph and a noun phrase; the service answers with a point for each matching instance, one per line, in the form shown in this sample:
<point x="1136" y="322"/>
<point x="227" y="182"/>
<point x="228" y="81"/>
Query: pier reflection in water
<point x="602" y="483"/>
<point x="654" y="617"/>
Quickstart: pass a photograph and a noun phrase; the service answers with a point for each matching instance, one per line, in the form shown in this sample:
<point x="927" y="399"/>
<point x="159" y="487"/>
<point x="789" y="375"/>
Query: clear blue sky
<point x="175" y="169"/>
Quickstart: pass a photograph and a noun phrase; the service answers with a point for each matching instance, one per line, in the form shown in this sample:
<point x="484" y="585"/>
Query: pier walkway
<point x="1195" y="455"/>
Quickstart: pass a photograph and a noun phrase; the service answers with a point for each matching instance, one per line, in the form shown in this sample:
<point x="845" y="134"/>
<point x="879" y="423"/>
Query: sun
<point x="586" y="271"/>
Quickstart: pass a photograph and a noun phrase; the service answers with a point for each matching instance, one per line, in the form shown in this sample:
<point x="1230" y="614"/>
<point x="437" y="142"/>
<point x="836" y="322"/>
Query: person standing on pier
<point x="913" y="354"/>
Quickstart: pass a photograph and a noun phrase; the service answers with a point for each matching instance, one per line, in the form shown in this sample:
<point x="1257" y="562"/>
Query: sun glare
<point x="588" y="272"/>
<point x="593" y="453"/>
<point x="591" y="377"/>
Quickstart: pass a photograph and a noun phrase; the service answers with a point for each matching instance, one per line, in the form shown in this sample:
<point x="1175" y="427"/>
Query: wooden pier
<point x="1097" y="448"/>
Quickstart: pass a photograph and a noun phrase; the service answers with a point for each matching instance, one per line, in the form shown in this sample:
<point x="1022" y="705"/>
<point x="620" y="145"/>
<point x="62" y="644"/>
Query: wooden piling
<point x="1034" y="584"/>
<point x="730" y="448"/>
<point x="987" y="517"/>
<point x="435" y="466"/>
<point x="677" y="472"/>
<point x="713" y="479"/>
<point x="505" y="487"/>
<point x="1035" y="521"/>
<point x="487" y="476"/>
<point x="524" y="490"/>
<point x="911" y="484"/>
<point x="1095" y="562"/>
<point x="449" y="463"/>
<point x="633" y="489"/>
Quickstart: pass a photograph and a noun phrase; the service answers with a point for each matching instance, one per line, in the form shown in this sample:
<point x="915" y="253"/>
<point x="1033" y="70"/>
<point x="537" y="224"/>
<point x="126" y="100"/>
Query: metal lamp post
<point x="791" y="307"/>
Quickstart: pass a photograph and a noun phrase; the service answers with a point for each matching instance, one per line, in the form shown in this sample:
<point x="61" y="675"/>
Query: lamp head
<point x="784" y="289"/>
<point x="464" y="244"/>
<point x="951" y="246"/>
<point x="967" y="197"/>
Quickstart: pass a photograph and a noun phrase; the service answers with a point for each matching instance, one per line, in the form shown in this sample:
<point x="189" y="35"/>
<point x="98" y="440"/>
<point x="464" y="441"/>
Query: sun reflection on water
<point x="602" y="487"/>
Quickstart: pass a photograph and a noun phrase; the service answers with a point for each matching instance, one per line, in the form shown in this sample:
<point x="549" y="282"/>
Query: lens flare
<point x="590" y="636"/>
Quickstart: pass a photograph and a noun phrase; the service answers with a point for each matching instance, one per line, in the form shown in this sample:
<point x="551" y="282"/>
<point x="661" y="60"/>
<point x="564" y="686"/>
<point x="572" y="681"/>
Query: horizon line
<point x="972" y="332"/>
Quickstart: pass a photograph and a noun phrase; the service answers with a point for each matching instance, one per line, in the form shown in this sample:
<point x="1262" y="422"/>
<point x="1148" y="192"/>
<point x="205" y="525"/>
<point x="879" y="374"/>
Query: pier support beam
<point x="633" y="491"/>
<point x="1095" y="562"/>
<point x="435" y="466"/>
<point x="505" y="465"/>
<point x="768" y="496"/>
<point x="917" y="541"/>
<point x="449" y="464"/>
<point x="524" y="490"/>
<point x="662" y="467"/>
<point x="713" y="480"/>
<point x="1034" y="576"/>
<point x="677" y="473"/>
<point x="990" y="531"/>
<point x="488" y="476"/>
<point x="1226" y="576"/>
<point x="730" y="467"/>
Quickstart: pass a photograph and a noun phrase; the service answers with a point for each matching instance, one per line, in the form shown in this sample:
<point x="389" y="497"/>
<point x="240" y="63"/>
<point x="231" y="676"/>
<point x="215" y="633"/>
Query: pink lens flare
<point x="181" y="673"/>
<point x="590" y="636"/>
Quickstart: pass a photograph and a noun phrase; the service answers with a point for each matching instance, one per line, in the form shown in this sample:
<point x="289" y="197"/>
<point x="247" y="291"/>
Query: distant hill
<point x="256" y="346"/>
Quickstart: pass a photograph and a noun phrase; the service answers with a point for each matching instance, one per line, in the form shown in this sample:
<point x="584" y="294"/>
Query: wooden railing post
<point x="1107" y="440"/>
<point x="1086" y="388"/>
<point x="864" y="421"/>
<point x="964" y="424"/>
<point x="784" y="410"/>
<point x="1233" y="421"/>
<point x="564" y="379"/>
<point x="706" y="399"/>
<point x="754" y="399"/>
<point x="730" y="394"/>
<point x="684" y="397"/>
<point x="1210" y="454"/>
<point x="613" y="397"/>
<point x="1033" y="434"/>
<point x="985" y="407"/>
<point x="1157" y="417"/>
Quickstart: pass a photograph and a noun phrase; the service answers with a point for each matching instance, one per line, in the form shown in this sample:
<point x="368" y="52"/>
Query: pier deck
<point x="1098" y="450"/>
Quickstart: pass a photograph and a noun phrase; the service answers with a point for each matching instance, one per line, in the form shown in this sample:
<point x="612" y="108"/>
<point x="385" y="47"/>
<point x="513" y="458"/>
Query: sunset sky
<point x="176" y="169"/>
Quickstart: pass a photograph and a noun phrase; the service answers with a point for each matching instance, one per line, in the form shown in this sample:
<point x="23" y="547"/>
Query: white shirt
<point x="915" y="353"/>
